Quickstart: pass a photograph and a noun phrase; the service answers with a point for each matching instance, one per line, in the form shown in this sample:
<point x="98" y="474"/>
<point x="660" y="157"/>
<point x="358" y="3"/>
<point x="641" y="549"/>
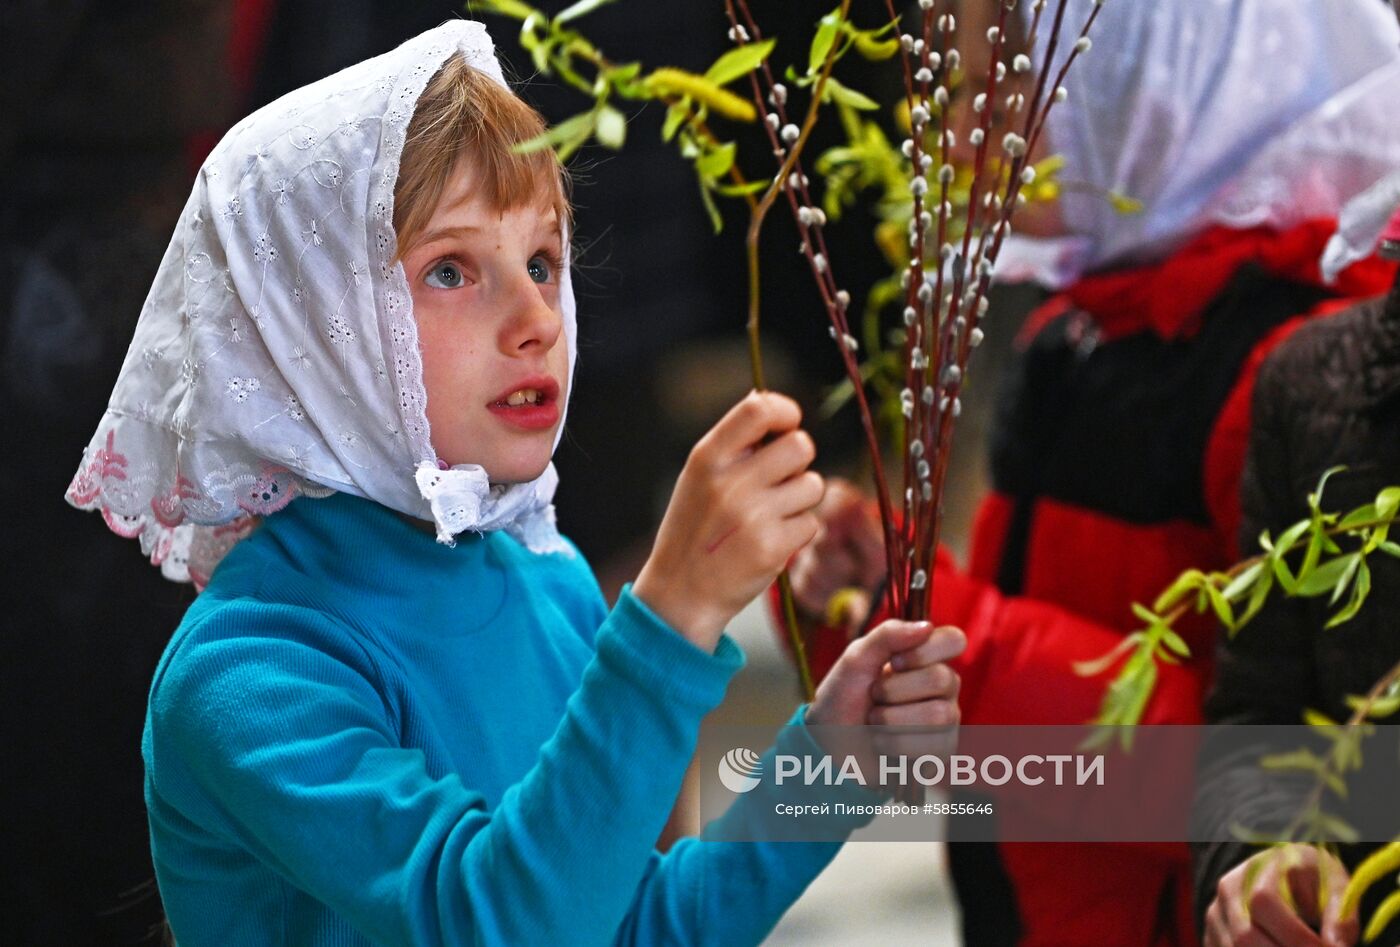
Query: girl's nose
<point x="532" y="324"/>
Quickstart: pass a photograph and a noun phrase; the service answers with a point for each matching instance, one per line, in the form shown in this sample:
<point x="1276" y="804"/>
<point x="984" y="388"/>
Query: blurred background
<point x="109" y="108"/>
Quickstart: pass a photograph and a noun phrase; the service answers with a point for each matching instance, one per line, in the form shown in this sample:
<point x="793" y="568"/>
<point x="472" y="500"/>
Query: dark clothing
<point x="1115" y="466"/>
<point x="1329" y="396"/>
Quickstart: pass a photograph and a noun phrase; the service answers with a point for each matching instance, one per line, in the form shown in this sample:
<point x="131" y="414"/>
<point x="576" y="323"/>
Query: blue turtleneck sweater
<point x="358" y="735"/>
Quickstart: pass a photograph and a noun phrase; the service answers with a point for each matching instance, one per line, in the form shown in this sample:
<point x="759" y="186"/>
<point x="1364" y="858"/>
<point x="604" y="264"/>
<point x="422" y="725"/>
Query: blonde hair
<point x="465" y="116"/>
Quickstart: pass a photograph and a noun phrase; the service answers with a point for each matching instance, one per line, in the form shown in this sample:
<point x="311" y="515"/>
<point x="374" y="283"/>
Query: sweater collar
<point x="358" y="553"/>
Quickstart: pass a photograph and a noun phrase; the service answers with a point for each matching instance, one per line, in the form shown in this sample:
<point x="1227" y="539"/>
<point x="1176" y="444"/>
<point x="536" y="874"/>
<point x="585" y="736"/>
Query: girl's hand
<point x="1238" y="918"/>
<point x="894" y="676"/>
<point x="741" y="508"/>
<point x="849" y="552"/>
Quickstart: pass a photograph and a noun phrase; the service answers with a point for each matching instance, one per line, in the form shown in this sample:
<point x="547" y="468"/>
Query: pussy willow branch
<point x="794" y="183"/>
<point x="933" y="408"/>
<point x="757" y="214"/>
<point x="948" y="327"/>
<point x="1038" y="112"/>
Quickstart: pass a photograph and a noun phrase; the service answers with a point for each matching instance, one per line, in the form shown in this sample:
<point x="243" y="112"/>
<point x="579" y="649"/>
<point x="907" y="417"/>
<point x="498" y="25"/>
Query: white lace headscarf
<point x="1235" y="112"/>
<point x="277" y="353"/>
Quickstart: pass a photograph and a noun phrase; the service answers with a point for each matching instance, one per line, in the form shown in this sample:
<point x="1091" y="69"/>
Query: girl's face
<point x="485" y="288"/>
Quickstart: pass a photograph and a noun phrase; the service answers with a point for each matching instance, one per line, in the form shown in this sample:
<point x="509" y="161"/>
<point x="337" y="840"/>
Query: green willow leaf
<point x="826" y="34"/>
<point x="511" y="8"/>
<point x="1305" y="760"/>
<point x="739" y="190"/>
<point x="1219" y="605"/>
<point x="871" y="48"/>
<point x="1242" y="582"/>
<point x="576" y="10"/>
<point x="1325" y="577"/>
<point x="739" y="62"/>
<point x="1103" y="662"/>
<point x="716" y="220"/>
<point x="1185" y="583"/>
<point x="676" y="114"/>
<point x="565" y="138"/>
<point x="1337" y="829"/>
<point x="1359" y="591"/>
<point x="1387" y="503"/>
<point x="1362" y="514"/>
<point x="1257" y="598"/>
<point x="1175" y="642"/>
<point x="717" y="161"/>
<point x="1315" y="498"/>
<point x="1382" y="707"/>
<point x="1338" y="590"/>
<point x="839" y="92"/>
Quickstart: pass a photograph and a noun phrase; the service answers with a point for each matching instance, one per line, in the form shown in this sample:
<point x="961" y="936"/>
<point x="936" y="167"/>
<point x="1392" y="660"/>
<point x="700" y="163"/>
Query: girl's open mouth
<point x="531" y="404"/>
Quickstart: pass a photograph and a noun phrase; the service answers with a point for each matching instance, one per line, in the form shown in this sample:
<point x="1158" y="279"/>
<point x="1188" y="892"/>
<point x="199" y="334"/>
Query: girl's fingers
<point x="946" y="643"/>
<point x="745" y="425"/>
<point x="800" y="494"/>
<point x="1217" y="934"/>
<point x="934" y="681"/>
<point x="1273" y="917"/>
<point x="788" y="535"/>
<point x="925" y="713"/>
<point x="868" y="655"/>
<point x="779" y="460"/>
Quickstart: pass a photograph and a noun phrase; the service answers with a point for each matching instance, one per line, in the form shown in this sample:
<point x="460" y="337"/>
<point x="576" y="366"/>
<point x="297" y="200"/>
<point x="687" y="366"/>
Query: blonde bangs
<point x="466" y="118"/>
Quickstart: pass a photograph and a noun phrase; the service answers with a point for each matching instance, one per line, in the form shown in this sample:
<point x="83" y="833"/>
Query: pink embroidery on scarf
<point x="169" y="508"/>
<point x="270" y="492"/>
<point x="105" y="463"/>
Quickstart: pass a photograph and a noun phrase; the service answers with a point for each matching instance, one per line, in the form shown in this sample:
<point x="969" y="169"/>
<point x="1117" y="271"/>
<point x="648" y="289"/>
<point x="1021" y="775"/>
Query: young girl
<point x="363" y="332"/>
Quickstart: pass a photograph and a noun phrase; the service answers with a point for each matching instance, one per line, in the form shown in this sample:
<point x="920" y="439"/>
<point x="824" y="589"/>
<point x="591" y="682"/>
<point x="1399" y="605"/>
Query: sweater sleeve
<point x="723" y="890"/>
<point x="1265" y="674"/>
<point x="276" y="733"/>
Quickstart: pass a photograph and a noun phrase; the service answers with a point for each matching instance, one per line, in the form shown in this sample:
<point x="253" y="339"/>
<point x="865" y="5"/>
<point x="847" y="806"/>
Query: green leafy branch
<point x="558" y="49"/>
<point x="1323" y="830"/>
<point x="1237" y="594"/>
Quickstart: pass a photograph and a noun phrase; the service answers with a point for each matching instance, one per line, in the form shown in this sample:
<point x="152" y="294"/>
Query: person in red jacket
<point x="1242" y="126"/>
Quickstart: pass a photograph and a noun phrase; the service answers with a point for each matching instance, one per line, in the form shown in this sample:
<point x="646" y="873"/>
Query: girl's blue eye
<point x="445" y="275"/>
<point x="540" y="269"/>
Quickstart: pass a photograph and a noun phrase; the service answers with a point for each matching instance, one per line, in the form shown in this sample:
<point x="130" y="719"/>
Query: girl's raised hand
<point x="743" y="505"/>
<point x="897" y="675"/>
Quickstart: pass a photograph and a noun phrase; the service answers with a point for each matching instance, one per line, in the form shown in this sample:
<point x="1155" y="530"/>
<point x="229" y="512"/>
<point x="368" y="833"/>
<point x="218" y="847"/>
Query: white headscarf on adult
<point x="277" y="353"/>
<point x="1236" y="112"/>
